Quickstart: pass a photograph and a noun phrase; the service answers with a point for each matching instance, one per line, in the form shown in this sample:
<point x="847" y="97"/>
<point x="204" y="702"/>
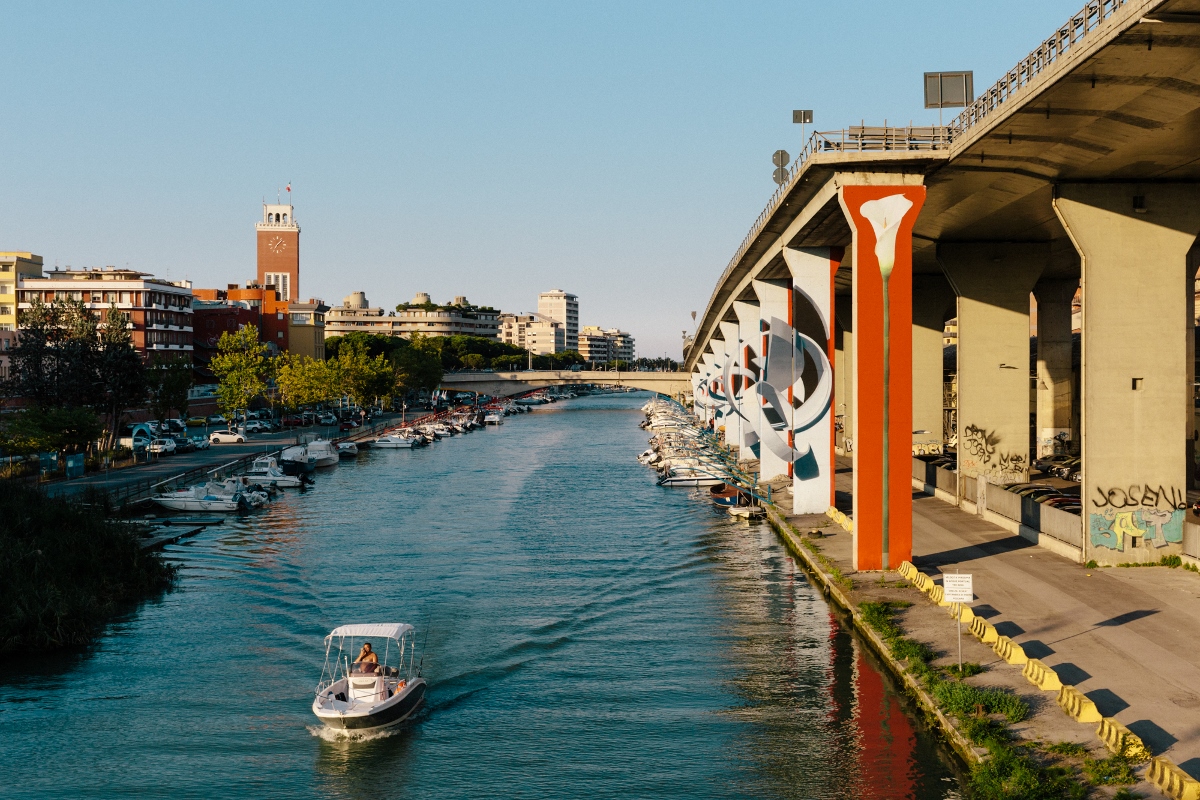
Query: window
<point x="125" y="298"/>
<point x="279" y="335"/>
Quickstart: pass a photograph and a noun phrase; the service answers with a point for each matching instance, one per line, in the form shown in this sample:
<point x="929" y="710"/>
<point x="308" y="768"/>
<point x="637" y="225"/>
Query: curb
<point x="1078" y="707"/>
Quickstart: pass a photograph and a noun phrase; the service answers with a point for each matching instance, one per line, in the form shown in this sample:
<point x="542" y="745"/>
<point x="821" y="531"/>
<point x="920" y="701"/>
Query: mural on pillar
<point x="1149" y="516"/>
<point x="741" y="381"/>
<point x="980" y="454"/>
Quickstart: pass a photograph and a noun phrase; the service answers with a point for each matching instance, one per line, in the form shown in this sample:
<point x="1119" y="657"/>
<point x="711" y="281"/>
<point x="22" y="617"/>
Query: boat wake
<point x="332" y="735"/>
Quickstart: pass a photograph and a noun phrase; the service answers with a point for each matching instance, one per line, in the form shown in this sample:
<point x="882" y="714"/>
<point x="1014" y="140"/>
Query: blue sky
<point x="616" y="150"/>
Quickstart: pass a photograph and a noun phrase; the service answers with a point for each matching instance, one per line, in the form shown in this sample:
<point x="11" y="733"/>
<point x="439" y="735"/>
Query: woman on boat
<point x="367" y="660"/>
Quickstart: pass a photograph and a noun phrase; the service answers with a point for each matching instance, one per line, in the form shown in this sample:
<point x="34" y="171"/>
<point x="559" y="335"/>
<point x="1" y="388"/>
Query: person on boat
<point x="366" y="656"/>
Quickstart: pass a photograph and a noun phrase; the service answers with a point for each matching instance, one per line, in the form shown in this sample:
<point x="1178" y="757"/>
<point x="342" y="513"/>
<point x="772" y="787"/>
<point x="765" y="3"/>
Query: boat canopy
<point x="388" y="630"/>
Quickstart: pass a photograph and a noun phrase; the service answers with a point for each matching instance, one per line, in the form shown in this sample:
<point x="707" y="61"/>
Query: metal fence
<point x="136" y="491"/>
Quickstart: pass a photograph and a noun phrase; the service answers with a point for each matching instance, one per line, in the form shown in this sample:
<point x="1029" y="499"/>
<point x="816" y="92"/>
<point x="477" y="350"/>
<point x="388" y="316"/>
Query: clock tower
<point x="279" y="251"/>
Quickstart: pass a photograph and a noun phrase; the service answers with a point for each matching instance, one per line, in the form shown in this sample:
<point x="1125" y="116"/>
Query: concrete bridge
<point x="503" y="384"/>
<point x="1080" y="168"/>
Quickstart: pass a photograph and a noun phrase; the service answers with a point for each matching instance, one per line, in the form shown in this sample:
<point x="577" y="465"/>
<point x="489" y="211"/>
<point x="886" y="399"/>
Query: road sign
<point x="949" y="89"/>
<point x="802" y="117"/>
<point x="780" y="176"/>
<point x="957" y="588"/>
<point x="781" y="158"/>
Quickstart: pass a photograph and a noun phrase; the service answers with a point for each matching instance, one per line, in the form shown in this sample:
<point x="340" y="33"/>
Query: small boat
<point x="347" y="450"/>
<point x="726" y="496"/>
<point x="266" y="471"/>
<point x="198" y="498"/>
<point x="747" y="512"/>
<point x="493" y="418"/>
<point x="365" y="696"/>
<point x="690" y="478"/>
<point x="393" y="441"/>
<point x="296" y="460"/>
<point x="323" y="451"/>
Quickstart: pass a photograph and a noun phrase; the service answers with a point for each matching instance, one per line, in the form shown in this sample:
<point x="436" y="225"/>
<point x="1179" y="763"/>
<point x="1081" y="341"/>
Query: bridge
<point x="1078" y="169"/>
<point x="504" y="384"/>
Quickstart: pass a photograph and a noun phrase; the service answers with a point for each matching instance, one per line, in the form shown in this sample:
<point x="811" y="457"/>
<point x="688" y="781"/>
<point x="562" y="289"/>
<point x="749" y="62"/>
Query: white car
<point x="224" y="437"/>
<point x="163" y="447"/>
<point x="215" y="419"/>
<point x="254" y="426"/>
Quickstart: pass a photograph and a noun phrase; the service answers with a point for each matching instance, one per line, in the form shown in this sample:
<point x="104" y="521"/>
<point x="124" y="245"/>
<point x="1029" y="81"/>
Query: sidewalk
<point x="1127" y="638"/>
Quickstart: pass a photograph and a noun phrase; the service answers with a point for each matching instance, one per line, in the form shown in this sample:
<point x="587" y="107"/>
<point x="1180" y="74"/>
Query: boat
<point x="209" y="496"/>
<point x="393" y="441"/>
<point x="265" y="470"/>
<point x="747" y="512"/>
<point x="296" y="460"/>
<point x="362" y="697"/>
<point x="726" y="496"/>
<point x="347" y="450"/>
<point x="493" y="418"/>
<point x="689" y="478"/>
<point x="323" y="451"/>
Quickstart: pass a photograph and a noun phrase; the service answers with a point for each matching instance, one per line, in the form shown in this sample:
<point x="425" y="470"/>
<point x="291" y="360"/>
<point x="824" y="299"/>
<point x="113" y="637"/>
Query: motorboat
<point x="747" y="512"/>
<point x="727" y="496"/>
<point x="323" y="451"/>
<point x="229" y="495"/>
<point x="362" y="696"/>
<point x="265" y="470"/>
<point x="689" y="478"/>
<point x="347" y="450"/>
<point x="493" y="418"/>
<point x="393" y="441"/>
<point x="296" y="460"/>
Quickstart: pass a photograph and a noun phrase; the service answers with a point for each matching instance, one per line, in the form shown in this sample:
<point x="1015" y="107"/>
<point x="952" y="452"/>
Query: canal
<point x="590" y="635"/>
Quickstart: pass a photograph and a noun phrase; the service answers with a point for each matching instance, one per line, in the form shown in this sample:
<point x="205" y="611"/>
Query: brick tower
<point x="279" y="251"/>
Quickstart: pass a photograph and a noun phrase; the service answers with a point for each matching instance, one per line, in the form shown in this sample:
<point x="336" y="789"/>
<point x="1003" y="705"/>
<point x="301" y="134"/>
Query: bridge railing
<point x="1045" y="56"/>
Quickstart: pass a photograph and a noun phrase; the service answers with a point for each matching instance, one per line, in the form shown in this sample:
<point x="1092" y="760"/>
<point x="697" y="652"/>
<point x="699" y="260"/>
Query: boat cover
<point x="389" y="630"/>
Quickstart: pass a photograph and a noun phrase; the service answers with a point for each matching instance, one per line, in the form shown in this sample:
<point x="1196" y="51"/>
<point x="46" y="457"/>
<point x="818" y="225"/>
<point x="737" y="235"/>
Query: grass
<point x="1174" y="562"/>
<point x="1127" y="794"/>
<point x="66" y="569"/>
<point x="1112" y="771"/>
<point x="1073" y="749"/>
<point x="968" y="669"/>
<point x="834" y="572"/>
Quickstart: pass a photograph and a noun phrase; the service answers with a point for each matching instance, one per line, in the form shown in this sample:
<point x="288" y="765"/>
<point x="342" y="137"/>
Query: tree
<point x="302" y="381"/>
<point x="361" y="377"/>
<point x="55" y="361"/>
<point x="122" y="373"/>
<point x="50" y="429"/>
<point x="241" y="368"/>
<point x="169" y="379"/>
<point x="474" y="361"/>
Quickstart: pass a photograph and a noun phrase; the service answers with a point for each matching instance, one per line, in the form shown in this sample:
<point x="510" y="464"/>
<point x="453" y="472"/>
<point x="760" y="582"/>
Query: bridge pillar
<point x="750" y="338"/>
<point x="993" y="281"/>
<point x="843" y="373"/>
<point x="1055" y="371"/>
<point x="932" y="298"/>
<point x="1134" y="242"/>
<point x="774" y="302"/>
<point x="881" y="219"/>
<point x="733" y="383"/>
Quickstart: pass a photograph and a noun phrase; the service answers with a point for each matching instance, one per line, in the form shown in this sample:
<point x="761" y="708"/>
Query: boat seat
<point x="364" y="687"/>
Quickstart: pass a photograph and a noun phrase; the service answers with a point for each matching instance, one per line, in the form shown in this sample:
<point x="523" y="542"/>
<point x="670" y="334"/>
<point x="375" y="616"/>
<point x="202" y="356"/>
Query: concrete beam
<point x="1134" y="242"/>
<point x="993" y="281"/>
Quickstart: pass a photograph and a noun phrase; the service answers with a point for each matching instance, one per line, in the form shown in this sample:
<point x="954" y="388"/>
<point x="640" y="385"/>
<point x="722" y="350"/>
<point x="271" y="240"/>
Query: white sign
<point x="957" y="588"/>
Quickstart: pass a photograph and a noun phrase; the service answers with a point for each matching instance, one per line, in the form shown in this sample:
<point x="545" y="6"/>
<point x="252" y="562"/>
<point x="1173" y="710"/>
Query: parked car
<point x="183" y="444"/>
<point x="348" y="425"/>
<point x="215" y="419"/>
<point x="253" y="426"/>
<point x="164" y="447"/>
<point x="226" y="437"/>
<point x="327" y="419"/>
<point x="292" y="421"/>
<point x="140" y="443"/>
<point x="196" y="422"/>
<point x="200" y="443"/>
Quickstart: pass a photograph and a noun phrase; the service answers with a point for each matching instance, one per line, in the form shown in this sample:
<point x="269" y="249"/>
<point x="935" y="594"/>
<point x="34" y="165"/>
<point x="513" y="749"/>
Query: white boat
<point x="295" y="460"/>
<point x="266" y="471"/>
<point x="347" y="450"/>
<point x="393" y="441"/>
<point x="199" y="498"/>
<point x="690" y="478"/>
<point x="323" y="452"/>
<point x="365" y="696"/>
<point x="493" y="418"/>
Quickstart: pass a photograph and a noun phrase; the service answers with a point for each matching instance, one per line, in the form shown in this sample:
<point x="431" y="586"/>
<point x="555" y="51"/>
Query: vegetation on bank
<point x="1012" y="771"/>
<point x="66" y="569"/>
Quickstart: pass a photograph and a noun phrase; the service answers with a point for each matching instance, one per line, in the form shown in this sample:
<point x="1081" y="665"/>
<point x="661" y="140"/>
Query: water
<point x="592" y="635"/>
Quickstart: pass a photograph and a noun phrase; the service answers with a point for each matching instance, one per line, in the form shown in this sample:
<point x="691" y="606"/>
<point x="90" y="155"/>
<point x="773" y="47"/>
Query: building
<point x="533" y="332"/>
<point x="562" y="307"/>
<point x="594" y="345"/>
<point x="306" y="328"/>
<point x="210" y="319"/>
<point x="14" y="267"/>
<point x="279" y="251"/>
<point x="457" y="319"/>
<point x="160" y="311"/>
<point x="356" y="314"/>
<point x="269" y="312"/>
<point x="621" y="345"/>
<point x="8" y="340"/>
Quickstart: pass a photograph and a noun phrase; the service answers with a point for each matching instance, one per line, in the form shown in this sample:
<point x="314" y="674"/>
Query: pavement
<point x="1128" y="638"/>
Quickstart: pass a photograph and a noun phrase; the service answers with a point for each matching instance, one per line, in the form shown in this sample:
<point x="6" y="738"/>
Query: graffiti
<point x="1143" y="497"/>
<point x="1012" y="462"/>
<point x="1112" y="528"/>
<point x="926" y="448"/>
<point x="979" y="443"/>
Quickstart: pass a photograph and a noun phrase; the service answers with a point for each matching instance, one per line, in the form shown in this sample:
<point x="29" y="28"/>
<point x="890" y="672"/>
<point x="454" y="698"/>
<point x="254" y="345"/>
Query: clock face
<point x="277" y="245"/>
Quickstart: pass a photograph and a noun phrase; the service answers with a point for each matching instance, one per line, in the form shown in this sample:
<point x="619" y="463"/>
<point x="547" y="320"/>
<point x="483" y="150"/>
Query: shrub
<point x="1111" y="771"/>
<point x="1067" y="749"/>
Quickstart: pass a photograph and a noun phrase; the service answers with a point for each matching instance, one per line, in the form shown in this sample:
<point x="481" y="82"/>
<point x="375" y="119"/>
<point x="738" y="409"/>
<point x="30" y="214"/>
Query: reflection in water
<point x="589" y="634"/>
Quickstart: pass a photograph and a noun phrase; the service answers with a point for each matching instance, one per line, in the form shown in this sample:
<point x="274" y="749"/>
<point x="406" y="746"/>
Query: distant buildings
<point x="160" y="312"/>
<point x="562" y="307"/>
<point x="536" y="333"/>
<point x="14" y="267"/>
<point x="599" y="346"/>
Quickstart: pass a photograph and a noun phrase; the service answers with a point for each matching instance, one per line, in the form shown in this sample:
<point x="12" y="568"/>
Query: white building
<point x="459" y="318"/>
<point x="562" y="307"/>
<point x="621" y="345"/>
<point x="534" y="332"/>
<point x="598" y="346"/>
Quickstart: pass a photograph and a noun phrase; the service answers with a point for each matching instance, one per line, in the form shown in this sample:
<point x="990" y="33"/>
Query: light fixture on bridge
<point x="949" y="90"/>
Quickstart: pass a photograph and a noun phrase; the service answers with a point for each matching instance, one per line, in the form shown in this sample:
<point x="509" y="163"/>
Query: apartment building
<point x="562" y="307"/>
<point x="533" y="332"/>
<point x="14" y="267"/>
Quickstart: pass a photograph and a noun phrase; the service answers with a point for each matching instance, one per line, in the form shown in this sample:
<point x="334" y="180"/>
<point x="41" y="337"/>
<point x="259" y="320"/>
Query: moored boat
<point x="393" y="441"/>
<point x="323" y="452"/>
<point x="347" y="450"/>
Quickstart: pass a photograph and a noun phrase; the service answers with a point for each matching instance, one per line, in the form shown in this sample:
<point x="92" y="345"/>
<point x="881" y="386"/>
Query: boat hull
<point x="195" y="504"/>
<point x="386" y="717"/>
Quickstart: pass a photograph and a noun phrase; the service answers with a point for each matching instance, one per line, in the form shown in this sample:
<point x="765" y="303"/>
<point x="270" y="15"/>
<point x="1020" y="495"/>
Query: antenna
<point x="428" y="623"/>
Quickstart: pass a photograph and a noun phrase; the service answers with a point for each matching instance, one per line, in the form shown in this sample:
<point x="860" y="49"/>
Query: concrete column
<point x="932" y="299"/>
<point x="1134" y="242"/>
<point x="843" y="374"/>
<point x="732" y="382"/>
<point x="774" y="298"/>
<point x="881" y="210"/>
<point x="750" y="337"/>
<point x="1055" y="373"/>
<point x="993" y="281"/>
